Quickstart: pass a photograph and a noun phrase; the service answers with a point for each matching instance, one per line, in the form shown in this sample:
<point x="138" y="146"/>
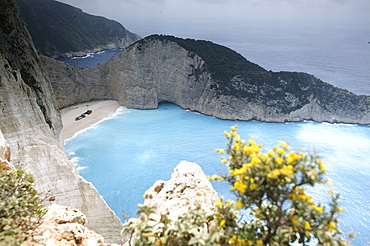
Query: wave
<point x="338" y="124"/>
<point x="83" y="57"/>
<point x="80" y="168"/>
<point x="75" y="160"/>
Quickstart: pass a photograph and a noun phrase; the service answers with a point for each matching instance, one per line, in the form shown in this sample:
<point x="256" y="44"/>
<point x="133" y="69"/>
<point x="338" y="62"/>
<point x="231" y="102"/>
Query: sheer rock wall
<point x="160" y="70"/>
<point x="31" y="125"/>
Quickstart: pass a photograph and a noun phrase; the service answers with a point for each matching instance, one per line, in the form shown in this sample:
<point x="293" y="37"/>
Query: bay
<point x="125" y="155"/>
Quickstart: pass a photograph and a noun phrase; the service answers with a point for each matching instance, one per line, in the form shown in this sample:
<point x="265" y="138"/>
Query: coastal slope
<point x="207" y="78"/>
<point x="60" y="30"/>
<point x="31" y="124"/>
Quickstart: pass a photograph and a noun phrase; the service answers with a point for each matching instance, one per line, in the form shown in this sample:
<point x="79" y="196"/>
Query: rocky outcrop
<point x="60" y="30"/>
<point x="208" y="78"/>
<point x="5" y="154"/>
<point x="187" y="189"/>
<point x="31" y="125"/>
<point x="73" y="85"/>
<point x="63" y="226"/>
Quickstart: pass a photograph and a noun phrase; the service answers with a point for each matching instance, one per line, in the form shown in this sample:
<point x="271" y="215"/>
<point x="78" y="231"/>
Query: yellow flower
<point x="319" y="209"/>
<point x="236" y="147"/>
<point x="237" y="172"/>
<point x="219" y="151"/>
<point x="253" y="186"/>
<point x="287" y="170"/>
<point x="280" y="151"/>
<point x="234" y="128"/>
<point x="307" y="225"/>
<point x="331" y="225"/>
<point x="223" y="223"/>
<point x="279" y="160"/>
<point x="294" y="220"/>
<point x="227" y="134"/>
<point x="213" y="177"/>
<point x="274" y="174"/>
<point x="218" y="203"/>
<point x="239" y="204"/>
<point x="271" y="153"/>
<point x="240" y="186"/>
<point x="255" y="161"/>
<point x="229" y="203"/>
<point x="283" y="144"/>
<point x="340" y="210"/>
<point x="247" y="150"/>
<point x="291" y="157"/>
<point x="259" y="242"/>
<point x="233" y="239"/>
<point x="321" y="166"/>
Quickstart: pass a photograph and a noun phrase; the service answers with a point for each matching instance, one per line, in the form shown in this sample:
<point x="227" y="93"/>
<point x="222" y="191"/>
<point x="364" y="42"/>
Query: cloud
<point x="149" y="11"/>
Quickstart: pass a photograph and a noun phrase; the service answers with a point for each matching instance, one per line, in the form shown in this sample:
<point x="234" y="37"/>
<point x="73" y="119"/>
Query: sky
<point x="133" y="14"/>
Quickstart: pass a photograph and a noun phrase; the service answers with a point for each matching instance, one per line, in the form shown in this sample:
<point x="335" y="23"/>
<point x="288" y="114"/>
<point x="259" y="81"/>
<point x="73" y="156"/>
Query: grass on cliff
<point x="20" y="205"/>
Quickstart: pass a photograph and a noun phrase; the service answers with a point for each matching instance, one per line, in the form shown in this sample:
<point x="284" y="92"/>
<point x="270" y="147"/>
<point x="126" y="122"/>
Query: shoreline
<point x="100" y="110"/>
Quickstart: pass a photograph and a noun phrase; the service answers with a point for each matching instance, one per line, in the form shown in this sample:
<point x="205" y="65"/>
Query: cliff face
<point x="63" y="226"/>
<point x="72" y="85"/>
<point x="30" y="123"/>
<point x="204" y="77"/>
<point x="60" y="30"/>
<point x="187" y="189"/>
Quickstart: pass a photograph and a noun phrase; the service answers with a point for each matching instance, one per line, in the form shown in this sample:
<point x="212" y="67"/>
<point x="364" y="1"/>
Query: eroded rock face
<point x="187" y="189"/>
<point x="64" y="226"/>
<point x="158" y="69"/>
<point x="31" y="125"/>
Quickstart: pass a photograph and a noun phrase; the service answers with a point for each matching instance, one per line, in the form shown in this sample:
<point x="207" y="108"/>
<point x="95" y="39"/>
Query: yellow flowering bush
<point x="197" y="227"/>
<point x="271" y="187"/>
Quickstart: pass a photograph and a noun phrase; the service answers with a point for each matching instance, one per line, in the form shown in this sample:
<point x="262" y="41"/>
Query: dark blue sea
<point x="91" y="59"/>
<point x="124" y="155"/>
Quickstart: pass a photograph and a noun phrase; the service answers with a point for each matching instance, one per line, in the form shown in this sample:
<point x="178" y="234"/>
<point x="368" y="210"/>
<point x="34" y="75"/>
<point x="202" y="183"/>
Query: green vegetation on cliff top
<point x="285" y="91"/>
<point x="222" y="62"/>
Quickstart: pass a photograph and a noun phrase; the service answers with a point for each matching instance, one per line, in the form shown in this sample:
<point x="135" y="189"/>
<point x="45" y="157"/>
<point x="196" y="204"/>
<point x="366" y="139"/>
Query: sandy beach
<point x="100" y="109"/>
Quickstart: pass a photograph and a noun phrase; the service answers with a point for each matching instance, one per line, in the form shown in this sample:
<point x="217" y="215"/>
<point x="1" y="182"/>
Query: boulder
<point x="188" y="188"/>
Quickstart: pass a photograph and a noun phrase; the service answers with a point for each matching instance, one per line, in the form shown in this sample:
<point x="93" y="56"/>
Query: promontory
<point x="208" y="78"/>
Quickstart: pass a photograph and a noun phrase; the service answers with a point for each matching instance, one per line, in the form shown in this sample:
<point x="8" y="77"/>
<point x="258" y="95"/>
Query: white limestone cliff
<point x="64" y="226"/>
<point x="157" y="70"/>
<point x="31" y="125"/>
<point x="187" y="189"/>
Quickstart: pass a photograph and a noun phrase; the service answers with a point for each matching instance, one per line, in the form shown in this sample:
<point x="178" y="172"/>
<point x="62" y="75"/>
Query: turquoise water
<point x="125" y="155"/>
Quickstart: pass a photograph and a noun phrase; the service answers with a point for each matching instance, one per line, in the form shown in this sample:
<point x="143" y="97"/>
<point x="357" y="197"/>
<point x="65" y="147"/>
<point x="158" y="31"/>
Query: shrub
<point x="270" y="188"/>
<point x="20" y="205"/>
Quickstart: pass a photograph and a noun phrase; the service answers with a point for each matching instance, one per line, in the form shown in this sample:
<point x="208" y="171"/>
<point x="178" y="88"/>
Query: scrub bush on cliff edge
<point x="271" y="188"/>
<point x="20" y="205"/>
